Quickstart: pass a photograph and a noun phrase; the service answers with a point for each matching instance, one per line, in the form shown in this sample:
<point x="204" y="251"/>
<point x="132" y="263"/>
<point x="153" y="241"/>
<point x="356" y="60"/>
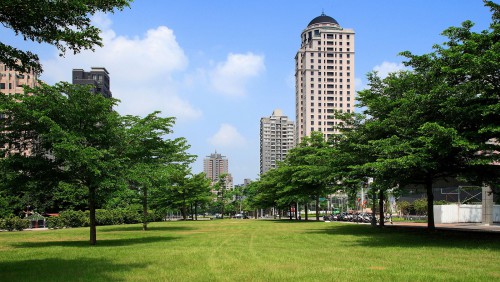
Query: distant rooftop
<point x="323" y="19"/>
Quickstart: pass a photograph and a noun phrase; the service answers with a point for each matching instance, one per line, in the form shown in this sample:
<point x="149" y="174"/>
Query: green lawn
<point x="249" y="250"/>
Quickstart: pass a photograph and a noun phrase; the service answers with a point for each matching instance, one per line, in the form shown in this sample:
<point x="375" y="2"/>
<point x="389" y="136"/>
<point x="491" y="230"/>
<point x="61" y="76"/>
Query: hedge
<point x="14" y="223"/>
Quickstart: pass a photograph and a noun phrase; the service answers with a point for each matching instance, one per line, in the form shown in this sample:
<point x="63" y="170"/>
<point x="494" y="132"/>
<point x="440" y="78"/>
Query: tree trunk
<point x="223" y="205"/>
<point x="306" y="217"/>
<point x="184" y="211"/>
<point x="430" y="204"/>
<point x="296" y="210"/>
<point x="317" y="208"/>
<point x="145" y="209"/>
<point x="374" y="208"/>
<point x="196" y="211"/>
<point x="381" y="207"/>
<point x="93" y="231"/>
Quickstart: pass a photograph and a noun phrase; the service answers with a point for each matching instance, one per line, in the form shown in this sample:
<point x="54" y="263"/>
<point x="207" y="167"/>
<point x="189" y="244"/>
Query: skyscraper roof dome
<point x="323" y="19"/>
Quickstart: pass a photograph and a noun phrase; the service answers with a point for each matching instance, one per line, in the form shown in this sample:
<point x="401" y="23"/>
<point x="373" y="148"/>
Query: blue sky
<point x="219" y="66"/>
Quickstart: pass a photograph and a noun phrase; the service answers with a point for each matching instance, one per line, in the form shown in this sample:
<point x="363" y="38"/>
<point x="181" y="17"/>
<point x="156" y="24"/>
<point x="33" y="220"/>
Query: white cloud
<point x="227" y="137"/>
<point x="232" y="76"/>
<point x="141" y="70"/>
<point x="359" y="84"/>
<point x="385" y="68"/>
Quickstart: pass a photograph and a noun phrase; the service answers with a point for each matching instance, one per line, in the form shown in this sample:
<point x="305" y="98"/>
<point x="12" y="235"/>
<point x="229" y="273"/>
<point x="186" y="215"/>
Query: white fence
<point x="462" y="213"/>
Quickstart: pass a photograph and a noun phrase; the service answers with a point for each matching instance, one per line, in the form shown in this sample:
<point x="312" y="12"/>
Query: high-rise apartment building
<point x="12" y="82"/>
<point x="277" y="136"/>
<point x="324" y="76"/>
<point x="98" y="77"/>
<point x="214" y="166"/>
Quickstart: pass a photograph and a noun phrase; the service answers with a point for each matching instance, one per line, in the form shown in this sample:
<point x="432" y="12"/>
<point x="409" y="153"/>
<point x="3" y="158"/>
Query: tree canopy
<point x="64" y="24"/>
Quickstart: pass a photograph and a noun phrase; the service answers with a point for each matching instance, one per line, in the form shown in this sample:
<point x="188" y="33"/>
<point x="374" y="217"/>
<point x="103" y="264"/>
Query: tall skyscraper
<point x="324" y="76"/>
<point x="277" y="136"/>
<point x="214" y="166"/>
<point x="98" y="77"/>
<point x="11" y="81"/>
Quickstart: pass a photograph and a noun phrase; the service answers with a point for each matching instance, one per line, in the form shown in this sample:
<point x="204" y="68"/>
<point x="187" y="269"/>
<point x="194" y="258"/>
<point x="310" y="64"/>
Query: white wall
<point x="496" y="214"/>
<point x="462" y="213"/>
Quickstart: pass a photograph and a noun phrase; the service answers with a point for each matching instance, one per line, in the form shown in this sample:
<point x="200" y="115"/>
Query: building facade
<point x="324" y="76"/>
<point x="277" y="136"/>
<point x="216" y="165"/>
<point x="12" y="82"/>
<point x="98" y="77"/>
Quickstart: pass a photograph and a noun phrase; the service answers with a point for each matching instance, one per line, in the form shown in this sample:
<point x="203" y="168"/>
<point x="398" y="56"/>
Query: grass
<point x="249" y="250"/>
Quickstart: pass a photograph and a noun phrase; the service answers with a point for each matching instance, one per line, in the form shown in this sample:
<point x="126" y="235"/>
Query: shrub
<point x="103" y="217"/>
<point x="54" y="222"/>
<point x="420" y="206"/>
<point x="403" y="207"/>
<point x="442" y="202"/>
<point x="14" y="223"/>
<point x="73" y="219"/>
<point x="130" y="216"/>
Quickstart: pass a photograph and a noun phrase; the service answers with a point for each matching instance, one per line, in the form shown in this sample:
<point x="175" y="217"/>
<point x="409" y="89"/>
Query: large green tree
<point x="467" y="68"/>
<point x="150" y="154"/>
<point x="63" y="135"/>
<point x="441" y="118"/>
<point x="64" y="24"/>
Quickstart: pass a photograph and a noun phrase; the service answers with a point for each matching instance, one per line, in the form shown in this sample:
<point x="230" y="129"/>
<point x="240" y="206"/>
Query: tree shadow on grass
<point x="100" y="242"/>
<point x="52" y="269"/>
<point x="127" y="228"/>
<point x="286" y="220"/>
<point x="407" y="237"/>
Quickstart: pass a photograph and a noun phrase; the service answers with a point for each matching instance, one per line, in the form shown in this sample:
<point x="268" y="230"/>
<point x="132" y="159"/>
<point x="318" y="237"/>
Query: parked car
<point x="240" y="216"/>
